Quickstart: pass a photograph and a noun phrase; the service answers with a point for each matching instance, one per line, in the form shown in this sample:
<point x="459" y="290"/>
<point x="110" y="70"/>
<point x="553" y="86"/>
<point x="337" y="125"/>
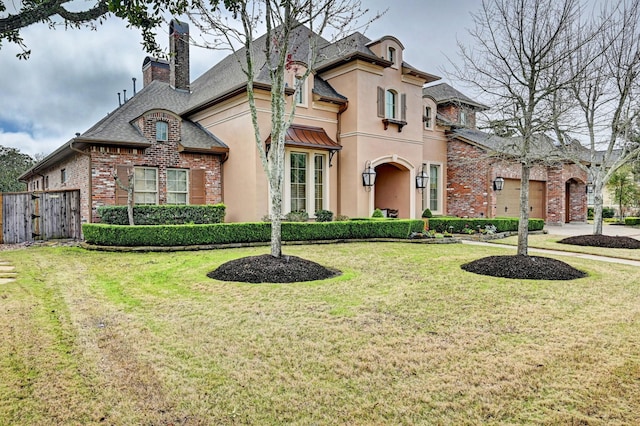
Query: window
<point x="390" y="104"/>
<point x="46" y="182"/>
<point x="145" y="185"/>
<point x="162" y="131"/>
<point x="427" y="117"/>
<point x="391" y="54"/>
<point x="177" y="186"/>
<point x="63" y="175"/>
<point x="434" y="194"/>
<point x="318" y="173"/>
<point x="302" y="87"/>
<point x="307" y="189"/>
<point x="463" y="117"/>
<point x="298" y="181"/>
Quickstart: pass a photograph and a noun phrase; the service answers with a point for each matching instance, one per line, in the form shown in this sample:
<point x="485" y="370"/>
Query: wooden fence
<point x="34" y="216"/>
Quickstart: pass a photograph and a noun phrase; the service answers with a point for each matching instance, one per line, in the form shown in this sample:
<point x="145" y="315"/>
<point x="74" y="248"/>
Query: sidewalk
<point x="571" y="229"/>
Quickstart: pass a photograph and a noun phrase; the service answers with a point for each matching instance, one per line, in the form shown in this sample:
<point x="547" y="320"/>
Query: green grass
<point x="404" y="336"/>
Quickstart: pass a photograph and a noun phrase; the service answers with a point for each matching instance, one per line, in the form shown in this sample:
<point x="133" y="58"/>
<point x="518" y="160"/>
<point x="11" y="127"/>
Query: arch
<point x="575" y="200"/>
<point x="395" y="185"/>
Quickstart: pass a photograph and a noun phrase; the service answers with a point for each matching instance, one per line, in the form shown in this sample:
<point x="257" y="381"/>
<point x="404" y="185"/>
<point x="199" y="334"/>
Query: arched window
<point x="162" y="131"/>
<point x="391" y="54"/>
<point x="391" y="101"/>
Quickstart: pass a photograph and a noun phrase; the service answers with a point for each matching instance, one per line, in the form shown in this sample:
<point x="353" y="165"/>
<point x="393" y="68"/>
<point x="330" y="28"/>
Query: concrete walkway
<point x="571" y="229"/>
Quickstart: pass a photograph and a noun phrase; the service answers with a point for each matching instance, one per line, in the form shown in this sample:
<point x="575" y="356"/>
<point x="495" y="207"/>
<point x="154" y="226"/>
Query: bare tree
<point x="519" y="61"/>
<point x="234" y="27"/>
<point x="601" y="106"/>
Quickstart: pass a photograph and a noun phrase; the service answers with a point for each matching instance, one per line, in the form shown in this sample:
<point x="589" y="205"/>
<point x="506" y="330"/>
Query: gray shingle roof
<point x="442" y="93"/>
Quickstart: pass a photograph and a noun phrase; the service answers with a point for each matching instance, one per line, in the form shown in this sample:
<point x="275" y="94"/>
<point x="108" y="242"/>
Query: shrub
<point x="324" y="216"/>
<point x="632" y="221"/>
<point x="229" y="233"/>
<point x="342" y="217"/>
<point x="427" y="214"/>
<point x="164" y="214"/>
<point x="377" y="213"/>
<point x="608" y="213"/>
<point x="590" y="213"/>
<point x="297" y="216"/>
<point x="457" y="225"/>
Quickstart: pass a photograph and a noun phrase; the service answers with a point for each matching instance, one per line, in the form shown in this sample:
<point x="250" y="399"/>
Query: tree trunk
<point x="597" y="208"/>
<point x="523" y="223"/>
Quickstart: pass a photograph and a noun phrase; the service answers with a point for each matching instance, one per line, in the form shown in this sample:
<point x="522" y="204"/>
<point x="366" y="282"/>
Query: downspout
<point x="342" y="109"/>
<point x="90" y="194"/>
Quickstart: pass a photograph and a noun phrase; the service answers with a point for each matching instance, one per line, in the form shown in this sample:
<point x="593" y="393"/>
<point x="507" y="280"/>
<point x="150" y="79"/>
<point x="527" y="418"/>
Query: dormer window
<point x="391" y="54"/>
<point x="463" y="117"/>
<point x="427" y="117"/>
<point x="162" y="131"/>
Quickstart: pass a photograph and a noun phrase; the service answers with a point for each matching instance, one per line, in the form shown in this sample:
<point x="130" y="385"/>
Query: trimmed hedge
<point x="163" y="214"/>
<point x="632" y="221"/>
<point x="228" y="233"/>
<point x="502" y="224"/>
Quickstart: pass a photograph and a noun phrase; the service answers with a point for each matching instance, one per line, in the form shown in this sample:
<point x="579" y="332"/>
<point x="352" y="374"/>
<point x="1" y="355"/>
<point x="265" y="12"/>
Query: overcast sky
<point x="72" y="77"/>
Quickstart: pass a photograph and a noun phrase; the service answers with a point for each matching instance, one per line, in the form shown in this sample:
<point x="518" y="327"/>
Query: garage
<point x="508" y="200"/>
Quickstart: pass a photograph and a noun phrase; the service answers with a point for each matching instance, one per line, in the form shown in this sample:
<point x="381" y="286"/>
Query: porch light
<point x="422" y="179"/>
<point x="498" y="184"/>
<point x="589" y="188"/>
<point x="368" y="176"/>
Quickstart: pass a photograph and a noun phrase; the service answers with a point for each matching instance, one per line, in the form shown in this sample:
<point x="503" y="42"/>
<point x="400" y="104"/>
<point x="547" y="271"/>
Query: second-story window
<point x="162" y="131"/>
<point x="463" y="117"/>
<point x="427" y="117"/>
<point x="391" y="99"/>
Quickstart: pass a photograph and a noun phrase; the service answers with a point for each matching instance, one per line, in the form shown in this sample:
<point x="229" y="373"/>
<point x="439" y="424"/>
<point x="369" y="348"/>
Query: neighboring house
<point x="362" y="109"/>
<point x="557" y="189"/>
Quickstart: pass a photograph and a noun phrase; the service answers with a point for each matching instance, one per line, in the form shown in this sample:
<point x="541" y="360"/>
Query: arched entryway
<point x="575" y="199"/>
<point x="392" y="189"/>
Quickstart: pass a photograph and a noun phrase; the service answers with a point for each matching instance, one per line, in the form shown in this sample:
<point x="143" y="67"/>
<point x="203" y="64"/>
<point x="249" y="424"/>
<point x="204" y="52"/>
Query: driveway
<point x="587" y="228"/>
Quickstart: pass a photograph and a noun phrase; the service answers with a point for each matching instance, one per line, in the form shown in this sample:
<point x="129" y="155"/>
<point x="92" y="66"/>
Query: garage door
<point x="509" y="199"/>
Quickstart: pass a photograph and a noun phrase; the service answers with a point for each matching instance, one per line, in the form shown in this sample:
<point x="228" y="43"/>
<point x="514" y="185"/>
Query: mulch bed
<point x="606" y="241"/>
<point x="524" y="267"/>
<point x="268" y="269"/>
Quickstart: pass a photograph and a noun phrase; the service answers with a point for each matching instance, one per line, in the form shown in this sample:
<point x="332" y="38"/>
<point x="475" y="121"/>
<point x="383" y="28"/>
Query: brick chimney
<point x="179" y="55"/>
<point x="154" y="69"/>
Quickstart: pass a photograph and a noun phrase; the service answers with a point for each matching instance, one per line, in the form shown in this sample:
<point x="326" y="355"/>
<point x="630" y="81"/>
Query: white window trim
<point x="440" y="189"/>
<point x="167" y="133"/>
<point x="428" y="125"/>
<point x="178" y="192"/>
<point x="147" y="192"/>
<point x="396" y="98"/>
<point x="311" y="199"/>
<point x="302" y="92"/>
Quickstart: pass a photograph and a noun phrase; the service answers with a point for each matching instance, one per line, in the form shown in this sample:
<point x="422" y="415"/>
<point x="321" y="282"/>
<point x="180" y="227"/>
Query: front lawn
<point x="403" y="336"/>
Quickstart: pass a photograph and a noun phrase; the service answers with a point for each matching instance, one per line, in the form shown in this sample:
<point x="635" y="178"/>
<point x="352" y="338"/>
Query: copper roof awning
<point x="309" y="137"/>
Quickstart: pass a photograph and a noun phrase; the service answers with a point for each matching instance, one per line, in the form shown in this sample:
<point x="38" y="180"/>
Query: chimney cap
<point x="176" y="26"/>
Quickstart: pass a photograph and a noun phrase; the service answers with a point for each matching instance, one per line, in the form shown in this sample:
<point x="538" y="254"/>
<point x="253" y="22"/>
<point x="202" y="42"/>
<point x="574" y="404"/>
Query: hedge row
<point x="503" y="224"/>
<point x="632" y="221"/>
<point x="163" y="214"/>
<point x="227" y="233"/>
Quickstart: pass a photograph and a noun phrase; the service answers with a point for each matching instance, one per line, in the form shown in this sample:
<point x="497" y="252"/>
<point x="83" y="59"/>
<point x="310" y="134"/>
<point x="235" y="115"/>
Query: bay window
<point x="307" y="182"/>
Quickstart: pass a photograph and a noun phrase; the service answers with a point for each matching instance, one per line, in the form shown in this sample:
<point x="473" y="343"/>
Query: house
<point x="367" y="134"/>
<point x="557" y="189"/>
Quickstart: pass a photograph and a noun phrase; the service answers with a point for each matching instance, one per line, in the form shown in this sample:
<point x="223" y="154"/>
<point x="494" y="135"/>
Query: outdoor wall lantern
<point x="498" y="184"/>
<point x="368" y="176"/>
<point x="422" y="179"/>
<point x="589" y="188"/>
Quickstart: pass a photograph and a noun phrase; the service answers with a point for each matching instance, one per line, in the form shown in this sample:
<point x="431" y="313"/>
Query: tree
<point x="144" y="15"/>
<point x="519" y="62"/>
<point x="623" y="189"/>
<point x="12" y="164"/>
<point x="290" y="46"/>
<point x="602" y="101"/>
